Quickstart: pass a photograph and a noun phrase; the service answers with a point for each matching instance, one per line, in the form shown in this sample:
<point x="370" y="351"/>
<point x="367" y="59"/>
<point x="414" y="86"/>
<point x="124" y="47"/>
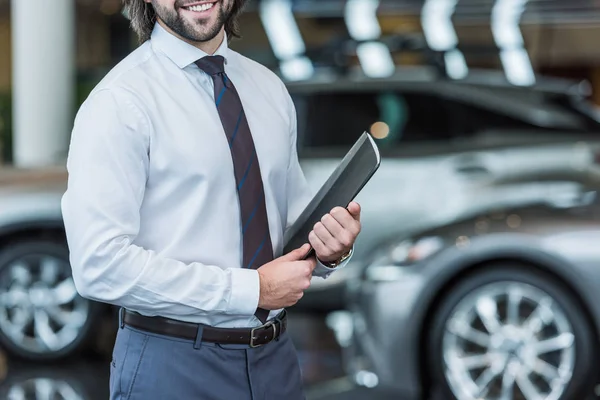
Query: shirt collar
<point x="179" y="51"/>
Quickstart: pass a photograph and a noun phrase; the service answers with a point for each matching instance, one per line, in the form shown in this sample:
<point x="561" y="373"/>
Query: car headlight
<point x="387" y="265"/>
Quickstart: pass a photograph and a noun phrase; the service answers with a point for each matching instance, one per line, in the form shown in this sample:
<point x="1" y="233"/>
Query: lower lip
<point x="201" y="13"/>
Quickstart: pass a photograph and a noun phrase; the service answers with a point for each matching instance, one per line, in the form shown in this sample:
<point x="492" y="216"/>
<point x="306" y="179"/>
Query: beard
<point x="196" y="31"/>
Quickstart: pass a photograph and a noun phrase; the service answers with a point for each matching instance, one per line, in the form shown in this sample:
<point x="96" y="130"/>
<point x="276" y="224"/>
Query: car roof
<point x="13" y="179"/>
<point x="425" y="76"/>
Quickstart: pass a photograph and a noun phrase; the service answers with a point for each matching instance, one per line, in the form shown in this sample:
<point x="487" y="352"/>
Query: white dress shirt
<point x="151" y="209"/>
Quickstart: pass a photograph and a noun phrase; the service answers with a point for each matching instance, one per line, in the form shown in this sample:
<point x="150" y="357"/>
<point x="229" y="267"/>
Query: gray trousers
<point x="147" y="366"/>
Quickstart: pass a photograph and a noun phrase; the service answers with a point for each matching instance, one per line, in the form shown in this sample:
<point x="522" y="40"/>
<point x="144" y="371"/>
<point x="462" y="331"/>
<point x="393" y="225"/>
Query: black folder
<point x="347" y="180"/>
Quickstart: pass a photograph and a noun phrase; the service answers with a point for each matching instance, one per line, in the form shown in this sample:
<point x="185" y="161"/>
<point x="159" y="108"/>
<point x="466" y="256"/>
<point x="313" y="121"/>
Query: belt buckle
<point x="252" y="336"/>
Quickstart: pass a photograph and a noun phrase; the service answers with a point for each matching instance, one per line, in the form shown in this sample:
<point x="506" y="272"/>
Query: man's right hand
<point x="284" y="280"/>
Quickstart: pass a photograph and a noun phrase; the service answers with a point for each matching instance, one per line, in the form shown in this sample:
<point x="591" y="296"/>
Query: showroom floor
<point x="86" y="378"/>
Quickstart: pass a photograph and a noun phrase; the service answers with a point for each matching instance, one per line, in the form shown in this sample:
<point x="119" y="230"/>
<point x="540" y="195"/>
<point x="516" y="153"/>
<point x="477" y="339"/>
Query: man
<point x="183" y="176"/>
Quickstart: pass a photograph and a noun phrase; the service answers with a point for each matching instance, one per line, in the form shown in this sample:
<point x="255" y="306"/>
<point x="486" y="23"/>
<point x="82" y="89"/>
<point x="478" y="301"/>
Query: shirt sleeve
<point x="108" y="168"/>
<point x="299" y="193"/>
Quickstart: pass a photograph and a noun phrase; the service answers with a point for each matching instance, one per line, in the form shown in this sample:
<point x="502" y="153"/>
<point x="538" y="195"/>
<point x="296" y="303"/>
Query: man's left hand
<point x="335" y="234"/>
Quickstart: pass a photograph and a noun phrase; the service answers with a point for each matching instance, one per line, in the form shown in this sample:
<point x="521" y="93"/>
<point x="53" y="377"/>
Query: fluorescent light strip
<point x="361" y="19"/>
<point x="375" y="57"/>
<point x="285" y="39"/>
<point x="436" y="20"/>
<point x="376" y="60"/>
<point x="281" y="28"/>
<point x="456" y="65"/>
<point x="296" y="69"/>
<point x="505" y="18"/>
<point x="506" y="15"/>
<point x="517" y="67"/>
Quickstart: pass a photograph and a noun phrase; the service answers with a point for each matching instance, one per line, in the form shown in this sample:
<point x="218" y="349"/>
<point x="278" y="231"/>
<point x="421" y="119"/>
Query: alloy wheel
<point x="43" y="388"/>
<point x="508" y="341"/>
<point x="40" y="309"/>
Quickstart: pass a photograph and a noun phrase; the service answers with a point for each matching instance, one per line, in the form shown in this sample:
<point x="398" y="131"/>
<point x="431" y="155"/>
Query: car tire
<point x="69" y="383"/>
<point x="512" y="351"/>
<point x="33" y="291"/>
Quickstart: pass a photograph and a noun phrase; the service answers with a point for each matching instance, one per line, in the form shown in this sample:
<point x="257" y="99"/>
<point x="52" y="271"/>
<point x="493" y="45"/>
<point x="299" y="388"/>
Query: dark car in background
<point x="454" y="148"/>
<point x="499" y="305"/>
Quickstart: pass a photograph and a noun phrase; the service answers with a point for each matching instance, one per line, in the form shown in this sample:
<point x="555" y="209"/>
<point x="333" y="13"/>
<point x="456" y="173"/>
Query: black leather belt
<point x="254" y="337"/>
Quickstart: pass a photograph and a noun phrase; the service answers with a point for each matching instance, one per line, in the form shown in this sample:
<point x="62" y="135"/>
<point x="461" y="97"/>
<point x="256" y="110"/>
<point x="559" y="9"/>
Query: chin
<point x="203" y="26"/>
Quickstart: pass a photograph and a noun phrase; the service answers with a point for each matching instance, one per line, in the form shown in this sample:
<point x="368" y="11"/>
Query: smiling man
<point x="183" y="177"/>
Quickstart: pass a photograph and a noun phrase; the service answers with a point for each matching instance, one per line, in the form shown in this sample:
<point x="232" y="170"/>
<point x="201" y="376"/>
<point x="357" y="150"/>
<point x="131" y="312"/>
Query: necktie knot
<point x="212" y="65"/>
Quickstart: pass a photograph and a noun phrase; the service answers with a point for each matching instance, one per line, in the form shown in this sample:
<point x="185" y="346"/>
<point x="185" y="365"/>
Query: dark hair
<point x="143" y="18"/>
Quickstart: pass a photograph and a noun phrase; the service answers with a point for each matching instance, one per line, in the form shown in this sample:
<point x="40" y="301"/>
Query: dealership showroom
<point x="468" y="131"/>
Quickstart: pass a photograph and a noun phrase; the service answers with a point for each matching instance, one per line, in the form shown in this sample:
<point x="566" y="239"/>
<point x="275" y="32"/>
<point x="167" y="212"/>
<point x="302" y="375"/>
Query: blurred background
<point x="477" y="273"/>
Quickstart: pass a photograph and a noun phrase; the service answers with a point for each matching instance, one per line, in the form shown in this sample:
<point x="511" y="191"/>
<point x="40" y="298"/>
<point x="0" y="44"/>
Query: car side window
<point x="331" y="121"/>
<point x="334" y="120"/>
<point x="412" y="118"/>
<point x="469" y="121"/>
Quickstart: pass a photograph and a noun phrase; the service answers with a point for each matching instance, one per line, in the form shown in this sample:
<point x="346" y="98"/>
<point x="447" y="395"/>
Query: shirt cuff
<point x="245" y="291"/>
<point x="323" y="271"/>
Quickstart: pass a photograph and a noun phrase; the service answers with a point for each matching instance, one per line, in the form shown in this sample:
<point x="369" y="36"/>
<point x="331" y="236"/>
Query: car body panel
<point x="404" y="195"/>
<point x="31" y="198"/>
<point x="390" y="318"/>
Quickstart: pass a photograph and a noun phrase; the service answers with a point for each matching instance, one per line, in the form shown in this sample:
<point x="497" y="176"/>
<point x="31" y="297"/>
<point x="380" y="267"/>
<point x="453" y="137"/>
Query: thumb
<point x="297" y="254"/>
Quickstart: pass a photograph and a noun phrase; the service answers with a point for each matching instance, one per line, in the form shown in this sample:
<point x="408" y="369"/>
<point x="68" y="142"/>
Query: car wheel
<point x="43" y="384"/>
<point x="42" y="317"/>
<point x="511" y="333"/>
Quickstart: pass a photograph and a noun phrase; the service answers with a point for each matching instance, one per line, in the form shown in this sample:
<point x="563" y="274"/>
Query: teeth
<point x="202" y="7"/>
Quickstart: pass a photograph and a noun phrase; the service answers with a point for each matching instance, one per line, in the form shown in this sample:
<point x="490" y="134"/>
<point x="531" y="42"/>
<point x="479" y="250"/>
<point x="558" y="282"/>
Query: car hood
<point x="17" y="179"/>
<point x="31" y="195"/>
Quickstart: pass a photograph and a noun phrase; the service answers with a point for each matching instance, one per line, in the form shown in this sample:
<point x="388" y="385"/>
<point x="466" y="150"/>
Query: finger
<point x="344" y="218"/>
<point x="311" y="262"/>
<point x="297" y="254"/>
<point x="344" y="236"/>
<point x="348" y="222"/>
<point x="354" y="210"/>
<point x="332" y="224"/>
<point x="318" y="245"/>
<point x="327" y="238"/>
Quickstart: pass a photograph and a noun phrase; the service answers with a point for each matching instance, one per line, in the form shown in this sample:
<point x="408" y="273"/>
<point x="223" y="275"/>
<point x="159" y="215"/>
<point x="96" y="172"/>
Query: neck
<point x="209" y="46"/>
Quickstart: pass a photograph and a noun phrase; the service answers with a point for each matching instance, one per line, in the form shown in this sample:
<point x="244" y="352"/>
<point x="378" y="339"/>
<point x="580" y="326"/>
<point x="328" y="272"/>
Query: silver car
<point x="42" y="317"/>
<point x="499" y="305"/>
<point x="468" y="145"/>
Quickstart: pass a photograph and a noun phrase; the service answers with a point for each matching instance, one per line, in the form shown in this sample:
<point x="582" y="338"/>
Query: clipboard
<point x="354" y="171"/>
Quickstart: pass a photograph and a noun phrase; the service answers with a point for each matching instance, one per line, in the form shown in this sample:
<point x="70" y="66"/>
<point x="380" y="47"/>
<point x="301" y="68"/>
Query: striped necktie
<point x="257" y="247"/>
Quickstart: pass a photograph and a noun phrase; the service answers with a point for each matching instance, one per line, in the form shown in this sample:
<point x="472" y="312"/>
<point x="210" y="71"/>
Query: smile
<point x="200" y="7"/>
